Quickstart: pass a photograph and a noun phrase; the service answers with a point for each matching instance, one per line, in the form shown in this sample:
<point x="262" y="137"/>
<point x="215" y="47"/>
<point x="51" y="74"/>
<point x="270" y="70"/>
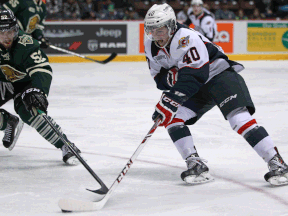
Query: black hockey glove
<point x="33" y="99"/>
<point x="44" y="42"/>
<point x="167" y="107"/>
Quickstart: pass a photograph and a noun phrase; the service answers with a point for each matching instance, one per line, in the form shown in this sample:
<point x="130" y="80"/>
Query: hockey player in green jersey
<point x="24" y="65"/>
<point x="30" y="15"/>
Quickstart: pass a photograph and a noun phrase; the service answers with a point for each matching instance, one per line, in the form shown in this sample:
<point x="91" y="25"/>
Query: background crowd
<point x="136" y="9"/>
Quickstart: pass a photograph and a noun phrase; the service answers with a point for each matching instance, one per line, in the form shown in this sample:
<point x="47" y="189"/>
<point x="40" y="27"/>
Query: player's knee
<point x="241" y="121"/>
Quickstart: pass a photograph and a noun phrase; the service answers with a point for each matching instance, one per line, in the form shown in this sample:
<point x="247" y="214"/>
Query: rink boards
<point x="241" y="40"/>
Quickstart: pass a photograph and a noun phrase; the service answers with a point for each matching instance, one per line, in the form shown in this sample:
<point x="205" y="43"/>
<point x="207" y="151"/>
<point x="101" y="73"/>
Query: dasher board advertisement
<point x="87" y="38"/>
<point x="267" y="37"/>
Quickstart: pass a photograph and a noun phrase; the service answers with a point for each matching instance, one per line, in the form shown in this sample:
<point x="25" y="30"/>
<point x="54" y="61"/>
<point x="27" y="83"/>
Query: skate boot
<point x="278" y="171"/>
<point x="197" y="171"/>
<point x="68" y="156"/>
<point x="12" y="130"/>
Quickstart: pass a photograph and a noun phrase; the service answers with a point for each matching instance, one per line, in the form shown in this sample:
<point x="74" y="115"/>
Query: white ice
<point x="106" y="111"/>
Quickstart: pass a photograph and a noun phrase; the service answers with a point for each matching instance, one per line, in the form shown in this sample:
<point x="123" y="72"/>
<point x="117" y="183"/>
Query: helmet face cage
<point x="170" y="24"/>
<point x="14" y="28"/>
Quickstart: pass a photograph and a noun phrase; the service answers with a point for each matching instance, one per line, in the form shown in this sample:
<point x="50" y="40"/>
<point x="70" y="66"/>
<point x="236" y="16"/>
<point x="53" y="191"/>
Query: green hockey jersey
<point x="30" y="15"/>
<point x="25" y="64"/>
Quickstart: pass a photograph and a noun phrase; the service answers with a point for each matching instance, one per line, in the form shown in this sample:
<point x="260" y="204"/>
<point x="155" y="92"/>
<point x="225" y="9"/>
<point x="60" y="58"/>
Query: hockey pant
<point x="229" y="92"/>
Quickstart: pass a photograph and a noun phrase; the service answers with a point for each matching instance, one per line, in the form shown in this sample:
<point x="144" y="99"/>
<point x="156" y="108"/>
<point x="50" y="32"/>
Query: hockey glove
<point x="172" y="76"/>
<point x="167" y="108"/>
<point x="33" y="99"/>
<point x="44" y="42"/>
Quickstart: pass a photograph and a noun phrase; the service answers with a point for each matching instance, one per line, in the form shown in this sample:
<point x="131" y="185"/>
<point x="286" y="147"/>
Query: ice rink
<point x="106" y="111"/>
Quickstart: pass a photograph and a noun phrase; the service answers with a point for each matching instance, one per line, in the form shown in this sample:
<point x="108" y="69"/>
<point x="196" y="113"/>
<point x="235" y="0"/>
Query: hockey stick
<point x="69" y="205"/>
<point x="110" y="58"/>
<point x="103" y="189"/>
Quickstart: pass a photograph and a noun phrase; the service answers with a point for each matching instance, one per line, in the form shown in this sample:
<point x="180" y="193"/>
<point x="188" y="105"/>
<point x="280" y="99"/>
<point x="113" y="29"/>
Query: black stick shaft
<point x="103" y="186"/>
<point x="111" y="57"/>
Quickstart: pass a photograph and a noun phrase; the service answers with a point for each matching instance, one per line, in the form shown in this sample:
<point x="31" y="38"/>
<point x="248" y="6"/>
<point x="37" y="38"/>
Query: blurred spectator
<point x="269" y="14"/>
<point x="207" y="9"/>
<point x="224" y="13"/>
<point x="260" y="5"/>
<point x="108" y="4"/>
<point x="182" y="15"/>
<point x="54" y="9"/>
<point x="88" y="10"/>
<point x="241" y="15"/>
<point x="256" y="15"/>
<point x="131" y="14"/>
<point x="122" y="3"/>
<point x="280" y="8"/>
<point x="109" y="12"/>
<point x="71" y="10"/>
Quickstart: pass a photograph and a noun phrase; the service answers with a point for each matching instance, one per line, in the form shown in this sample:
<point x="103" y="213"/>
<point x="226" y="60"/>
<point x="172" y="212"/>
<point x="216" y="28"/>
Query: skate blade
<point x="73" y="161"/>
<point x="203" y="178"/>
<point x="18" y="131"/>
<point x="279" y="180"/>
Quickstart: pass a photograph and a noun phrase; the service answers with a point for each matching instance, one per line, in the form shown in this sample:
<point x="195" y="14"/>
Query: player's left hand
<point x="167" y="108"/>
<point x="34" y="98"/>
<point x="44" y="42"/>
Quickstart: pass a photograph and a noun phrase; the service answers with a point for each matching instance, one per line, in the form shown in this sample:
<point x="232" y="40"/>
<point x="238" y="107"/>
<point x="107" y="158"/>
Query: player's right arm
<point x="158" y="73"/>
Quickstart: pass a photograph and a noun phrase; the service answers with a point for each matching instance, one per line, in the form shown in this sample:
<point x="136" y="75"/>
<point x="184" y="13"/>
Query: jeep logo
<point x="116" y="33"/>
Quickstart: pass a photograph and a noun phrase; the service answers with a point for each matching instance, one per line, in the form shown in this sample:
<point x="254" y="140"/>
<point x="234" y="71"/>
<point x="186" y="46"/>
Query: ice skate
<point x="68" y="156"/>
<point x="12" y="131"/>
<point x="197" y="172"/>
<point x="278" y="171"/>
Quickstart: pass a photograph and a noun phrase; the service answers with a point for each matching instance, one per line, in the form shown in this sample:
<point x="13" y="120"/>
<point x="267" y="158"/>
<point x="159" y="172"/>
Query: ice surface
<point x="106" y="110"/>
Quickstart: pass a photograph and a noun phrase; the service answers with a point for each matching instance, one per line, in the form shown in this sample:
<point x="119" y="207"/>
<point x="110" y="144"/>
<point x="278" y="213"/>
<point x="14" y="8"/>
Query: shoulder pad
<point x="182" y="42"/>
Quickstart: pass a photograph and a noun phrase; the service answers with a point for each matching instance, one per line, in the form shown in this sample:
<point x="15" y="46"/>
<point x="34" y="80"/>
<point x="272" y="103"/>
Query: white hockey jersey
<point x="197" y="58"/>
<point x="204" y="23"/>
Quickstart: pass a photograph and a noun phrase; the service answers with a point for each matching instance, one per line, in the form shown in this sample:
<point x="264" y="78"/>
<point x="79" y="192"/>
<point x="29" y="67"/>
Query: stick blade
<point x="110" y="58"/>
<point x="71" y="205"/>
<point x="101" y="191"/>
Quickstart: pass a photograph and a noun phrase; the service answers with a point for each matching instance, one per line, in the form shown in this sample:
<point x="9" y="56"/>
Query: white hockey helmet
<point x="158" y="16"/>
<point x="196" y="2"/>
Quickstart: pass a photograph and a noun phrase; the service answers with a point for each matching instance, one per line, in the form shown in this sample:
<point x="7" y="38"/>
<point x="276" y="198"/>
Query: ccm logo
<point x="168" y="100"/>
<point x="124" y="171"/>
<point x="227" y="100"/>
<point x="30" y="90"/>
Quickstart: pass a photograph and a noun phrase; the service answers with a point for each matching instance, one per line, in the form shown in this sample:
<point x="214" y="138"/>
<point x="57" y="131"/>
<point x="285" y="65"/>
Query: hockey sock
<point x="42" y="127"/>
<point x="182" y="139"/>
<point x="242" y="122"/>
<point x="45" y="130"/>
<point x="261" y="142"/>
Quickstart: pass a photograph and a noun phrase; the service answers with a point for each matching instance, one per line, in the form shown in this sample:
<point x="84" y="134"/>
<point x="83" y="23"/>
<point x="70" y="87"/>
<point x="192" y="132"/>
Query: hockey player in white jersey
<point x="194" y="77"/>
<point x="202" y="19"/>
